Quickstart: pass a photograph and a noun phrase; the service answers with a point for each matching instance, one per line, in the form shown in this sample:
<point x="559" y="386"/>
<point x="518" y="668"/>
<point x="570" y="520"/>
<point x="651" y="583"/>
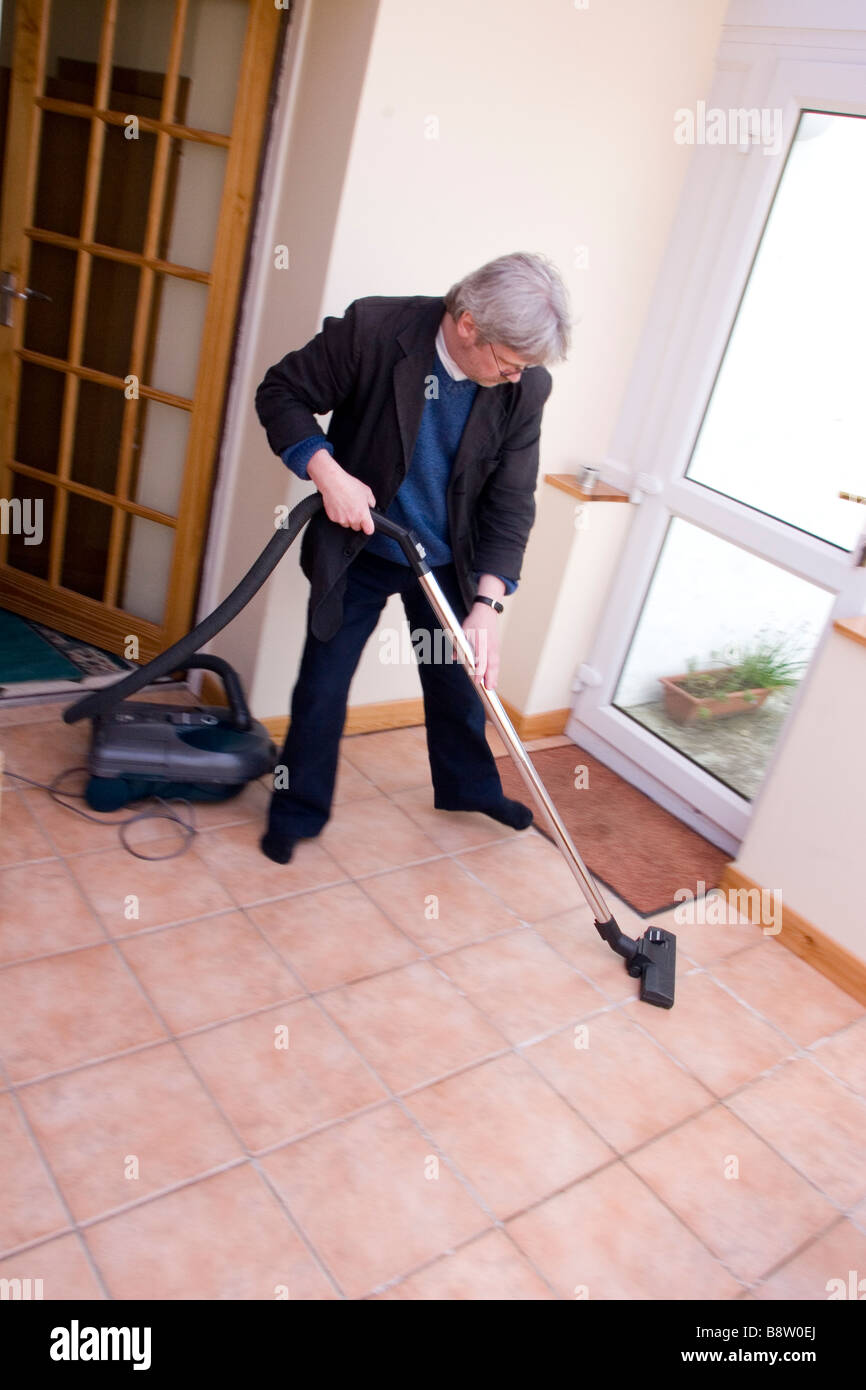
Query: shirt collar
<point x="447" y="360"/>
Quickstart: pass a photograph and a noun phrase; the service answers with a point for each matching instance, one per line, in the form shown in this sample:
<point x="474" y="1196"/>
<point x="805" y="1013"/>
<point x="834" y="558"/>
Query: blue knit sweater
<point x="420" y="503"/>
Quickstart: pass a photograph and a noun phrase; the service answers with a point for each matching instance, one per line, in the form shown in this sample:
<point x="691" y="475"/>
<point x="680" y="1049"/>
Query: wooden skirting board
<point x="397" y="714"/>
<point x="810" y="944"/>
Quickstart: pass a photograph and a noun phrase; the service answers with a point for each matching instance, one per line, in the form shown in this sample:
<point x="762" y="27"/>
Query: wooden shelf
<point x="602" y="492"/>
<point x="855" y="628"/>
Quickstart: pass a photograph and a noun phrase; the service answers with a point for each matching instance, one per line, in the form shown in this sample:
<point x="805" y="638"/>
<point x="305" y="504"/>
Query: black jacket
<point x="370" y="368"/>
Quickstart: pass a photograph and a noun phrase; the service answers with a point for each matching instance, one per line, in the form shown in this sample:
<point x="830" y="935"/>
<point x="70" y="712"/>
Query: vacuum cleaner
<point x="212" y="753"/>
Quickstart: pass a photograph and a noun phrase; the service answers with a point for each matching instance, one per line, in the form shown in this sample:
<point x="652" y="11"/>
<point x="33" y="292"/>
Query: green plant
<point x="770" y="662"/>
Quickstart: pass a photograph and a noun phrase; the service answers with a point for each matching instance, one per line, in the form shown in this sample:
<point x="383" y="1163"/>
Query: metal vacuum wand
<point x="652" y="958"/>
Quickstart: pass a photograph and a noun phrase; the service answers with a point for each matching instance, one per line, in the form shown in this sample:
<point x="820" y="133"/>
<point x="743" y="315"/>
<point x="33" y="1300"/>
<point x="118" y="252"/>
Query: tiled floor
<point x="403" y="1066"/>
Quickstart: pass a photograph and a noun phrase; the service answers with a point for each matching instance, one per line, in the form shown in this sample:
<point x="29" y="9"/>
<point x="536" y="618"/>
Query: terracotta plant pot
<point x="684" y="708"/>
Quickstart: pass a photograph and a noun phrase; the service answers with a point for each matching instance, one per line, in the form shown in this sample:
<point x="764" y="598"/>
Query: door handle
<point x="8" y="293"/>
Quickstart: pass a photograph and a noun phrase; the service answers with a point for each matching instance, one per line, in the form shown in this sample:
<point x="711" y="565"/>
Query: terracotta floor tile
<point x="333" y="936"/>
<point x="392" y="760"/>
<point x="814" y="1122"/>
<point x="73" y="834"/>
<point x="489" y="1268"/>
<point x="713" y="1035"/>
<point x="798" y="999"/>
<point x="42" y="911"/>
<point x="249" y="805"/>
<point x="42" y="750"/>
<point x="69" y="1009"/>
<point x="234" y="856"/>
<point x="439" y="905"/>
<point x="20" y="836"/>
<point x="510" y="1135"/>
<point x="844" y="1054"/>
<point x="528" y="873"/>
<point x="369" y="1197"/>
<point x="573" y="936"/>
<point x="373" y="834"/>
<point x="608" y="1237"/>
<point x="166" y="890"/>
<point x="750" y="1221"/>
<point x="521" y="985"/>
<point x="209" y="970"/>
<point x="148" y="1106"/>
<point x="62" y="1266"/>
<point x="412" y="1025"/>
<point x="226" y="1237"/>
<point x="711" y="929"/>
<point x="272" y="1093"/>
<point x="351" y="785"/>
<point x="619" y="1080"/>
<point x="29" y="1207"/>
<point x="450" y="830"/>
<point x="43" y="713"/>
<point x="810" y="1274"/>
<point x="496" y="741"/>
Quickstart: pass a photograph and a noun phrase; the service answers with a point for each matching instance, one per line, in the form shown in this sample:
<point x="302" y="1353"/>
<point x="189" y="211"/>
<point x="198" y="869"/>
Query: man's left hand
<point x="481" y="626"/>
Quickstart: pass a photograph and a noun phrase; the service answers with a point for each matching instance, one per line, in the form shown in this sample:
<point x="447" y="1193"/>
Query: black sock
<point x="277" y="846"/>
<point x="508" y="812"/>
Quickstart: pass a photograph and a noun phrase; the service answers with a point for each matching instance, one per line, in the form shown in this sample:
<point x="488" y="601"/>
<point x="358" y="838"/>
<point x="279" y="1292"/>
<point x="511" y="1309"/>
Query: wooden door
<point x="132" y="138"/>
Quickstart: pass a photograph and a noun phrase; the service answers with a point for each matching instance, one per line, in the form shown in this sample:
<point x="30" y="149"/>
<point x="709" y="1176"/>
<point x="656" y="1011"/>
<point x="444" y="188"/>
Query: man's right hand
<point x="347" y="500"/>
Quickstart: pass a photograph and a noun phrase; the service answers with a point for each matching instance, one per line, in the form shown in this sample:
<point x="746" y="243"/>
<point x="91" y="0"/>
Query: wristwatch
<point x="482" y="598"/>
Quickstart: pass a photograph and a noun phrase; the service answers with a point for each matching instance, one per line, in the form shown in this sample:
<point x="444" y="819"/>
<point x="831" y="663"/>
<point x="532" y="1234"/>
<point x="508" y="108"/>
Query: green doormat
<point x="38" y="660"/>
<point x="25" y="656"/>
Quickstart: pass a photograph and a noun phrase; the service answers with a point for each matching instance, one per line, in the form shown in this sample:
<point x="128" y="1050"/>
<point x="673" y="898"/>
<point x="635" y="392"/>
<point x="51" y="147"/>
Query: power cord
<point x="189" y="827"/>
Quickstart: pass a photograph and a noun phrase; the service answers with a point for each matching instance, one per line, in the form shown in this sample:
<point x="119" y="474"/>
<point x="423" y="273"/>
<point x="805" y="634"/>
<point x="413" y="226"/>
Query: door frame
<point x="106" y="623"/>
<point x="725" y="203"/>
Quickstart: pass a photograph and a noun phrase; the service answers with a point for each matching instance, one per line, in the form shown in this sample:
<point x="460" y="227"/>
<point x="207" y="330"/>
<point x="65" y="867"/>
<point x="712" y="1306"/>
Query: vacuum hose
<point x="99" y="701"/>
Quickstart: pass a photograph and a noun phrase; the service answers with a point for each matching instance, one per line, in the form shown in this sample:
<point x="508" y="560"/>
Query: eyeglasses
<point x="513" y="369"/>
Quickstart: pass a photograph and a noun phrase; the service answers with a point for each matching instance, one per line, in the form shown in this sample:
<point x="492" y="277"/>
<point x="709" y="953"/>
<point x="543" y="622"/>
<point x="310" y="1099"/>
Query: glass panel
<point x="30" y="536"/>
<point x="164" y="432"/>
<point x="210" y="59"/>
<point x="40" y="406"/>
<point x="179" y="322"/>
<point x="85" y="554"/>
<point x="713" y="608"/>
<point x="785" y="427"/>
<point x="96" y="446"/>
<point x="124" y="190"/>
<point x="212" y="51"/>
<point x="61" y="173"/>
<point x="142" y="37"/>
<point x="73" y="48"/>
<point x="147" y="567"/>
<point x="107" y="345"/>
<point x="192" y="206"/>
<point x="46" y="326"/>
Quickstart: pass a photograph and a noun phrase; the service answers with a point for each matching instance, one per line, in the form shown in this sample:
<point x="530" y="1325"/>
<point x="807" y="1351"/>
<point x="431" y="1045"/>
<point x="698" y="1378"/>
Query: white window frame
<point x="725" y="203"/>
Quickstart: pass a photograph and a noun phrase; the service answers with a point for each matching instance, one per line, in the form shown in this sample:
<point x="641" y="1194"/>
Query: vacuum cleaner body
<point x="140" y="749"/>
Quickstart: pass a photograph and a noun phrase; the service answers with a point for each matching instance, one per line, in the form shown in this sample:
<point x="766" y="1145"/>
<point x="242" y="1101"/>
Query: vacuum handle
<point x="407" y="540"/>
<point x="240" y="713"/>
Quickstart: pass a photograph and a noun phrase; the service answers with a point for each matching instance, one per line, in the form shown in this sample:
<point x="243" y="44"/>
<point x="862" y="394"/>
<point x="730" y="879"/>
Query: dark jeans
<point x="463" y="768"/>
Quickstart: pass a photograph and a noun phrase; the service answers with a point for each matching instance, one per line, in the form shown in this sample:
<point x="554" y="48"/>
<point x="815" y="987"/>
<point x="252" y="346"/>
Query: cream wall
<point x="554" y="134"/>
<point x="806" y="834"/>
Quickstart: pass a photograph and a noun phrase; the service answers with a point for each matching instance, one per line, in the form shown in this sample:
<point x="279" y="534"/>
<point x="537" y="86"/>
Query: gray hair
<point x="519" y="301"/>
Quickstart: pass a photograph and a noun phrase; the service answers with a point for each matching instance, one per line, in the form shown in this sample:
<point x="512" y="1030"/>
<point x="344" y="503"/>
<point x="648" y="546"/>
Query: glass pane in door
<point x="785" y="427"/>
<point x="722" y="641"/>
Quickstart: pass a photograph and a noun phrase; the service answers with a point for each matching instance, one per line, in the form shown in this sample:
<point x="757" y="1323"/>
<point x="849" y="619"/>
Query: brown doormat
<point x="637" y="849"/>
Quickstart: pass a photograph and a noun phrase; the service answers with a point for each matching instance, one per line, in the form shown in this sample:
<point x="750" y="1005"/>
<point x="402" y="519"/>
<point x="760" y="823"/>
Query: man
<point x="437" y="409"/>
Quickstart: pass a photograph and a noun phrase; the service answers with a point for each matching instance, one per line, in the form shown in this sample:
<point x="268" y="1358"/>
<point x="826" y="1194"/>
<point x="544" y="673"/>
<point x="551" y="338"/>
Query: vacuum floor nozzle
<point x="655" y="962"/>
